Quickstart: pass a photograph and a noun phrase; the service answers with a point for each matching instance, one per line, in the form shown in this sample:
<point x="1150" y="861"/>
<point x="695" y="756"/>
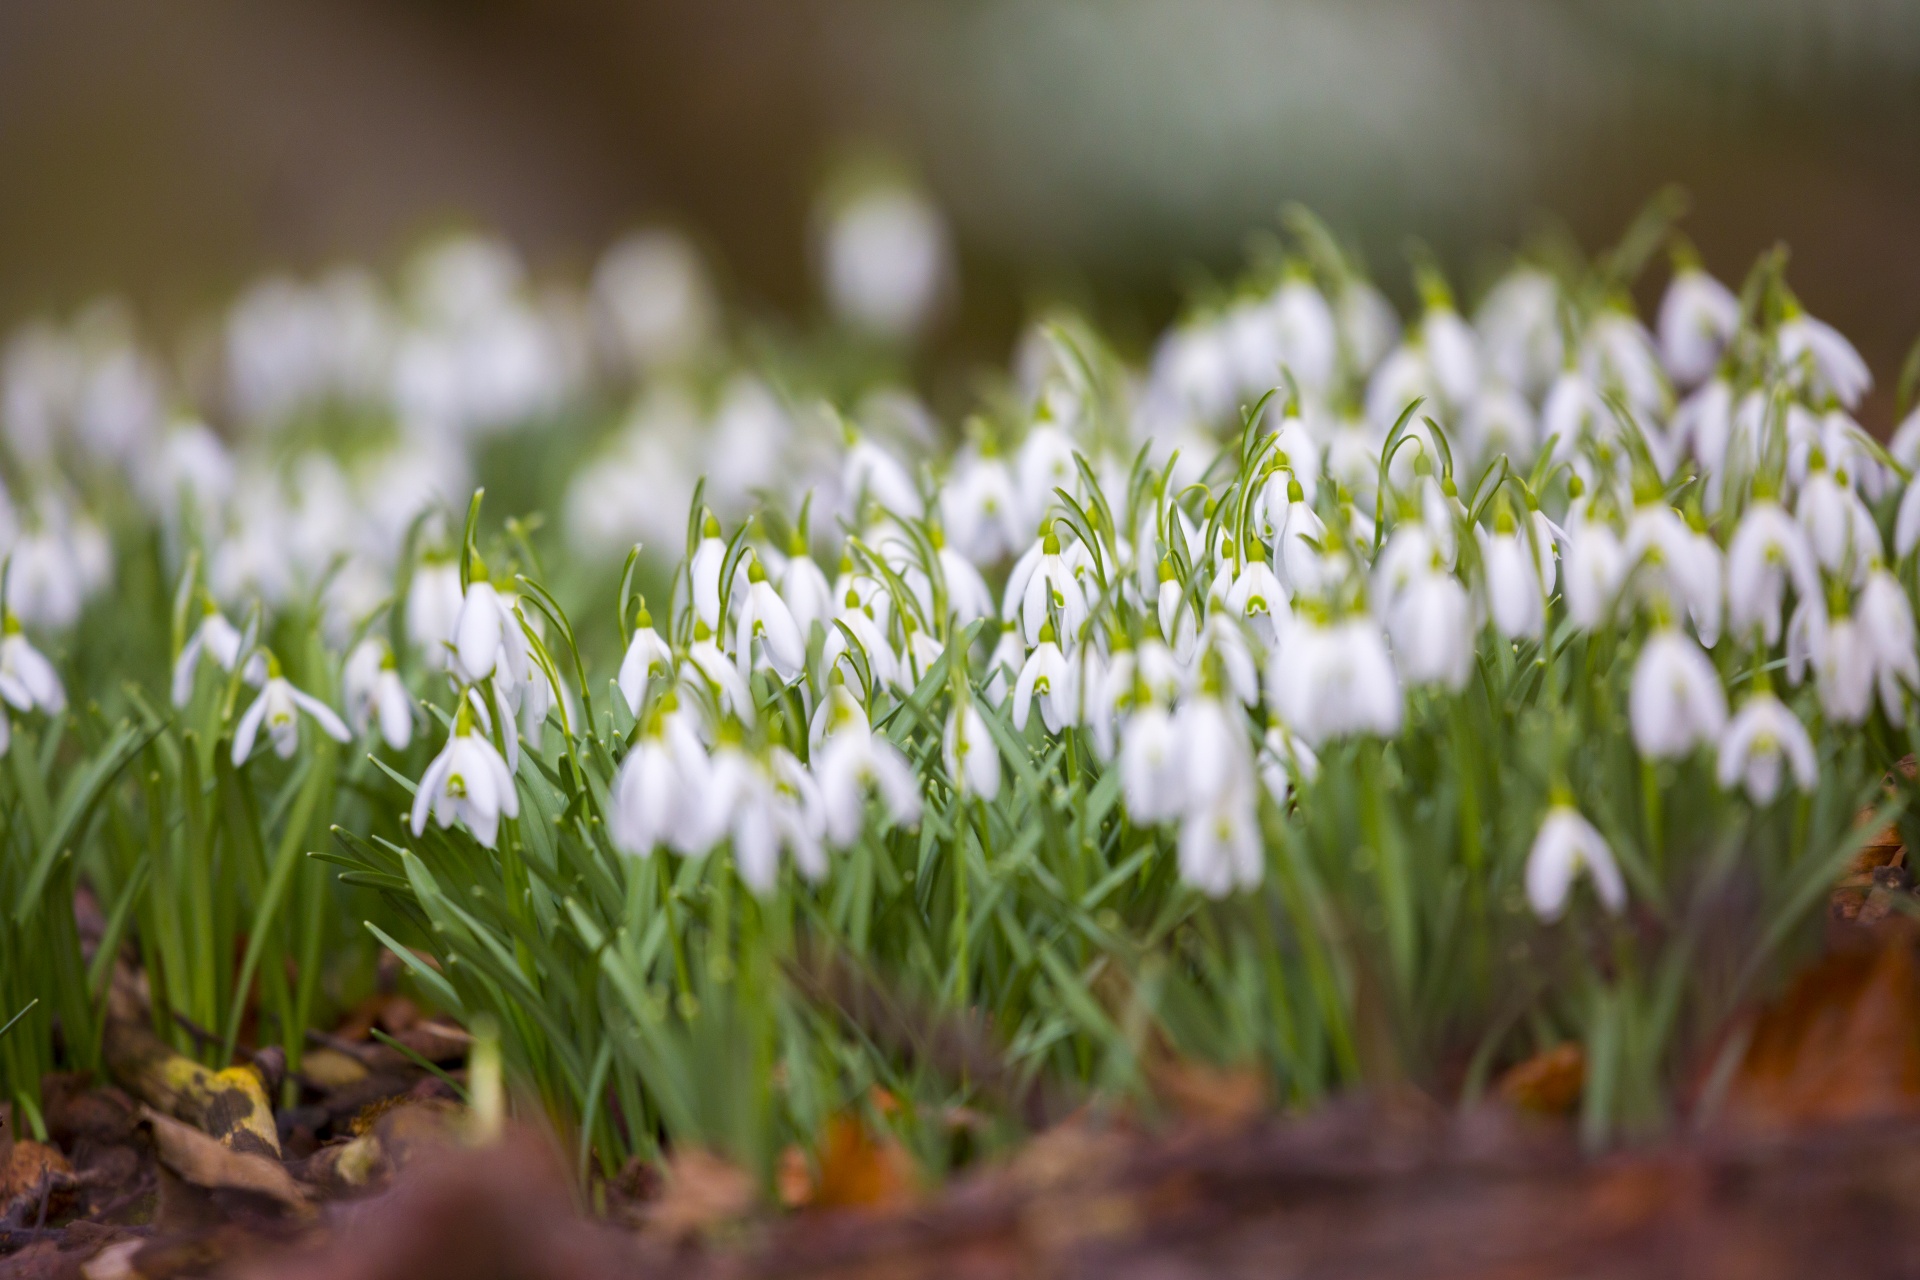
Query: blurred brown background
<point x="1106" y="150"/>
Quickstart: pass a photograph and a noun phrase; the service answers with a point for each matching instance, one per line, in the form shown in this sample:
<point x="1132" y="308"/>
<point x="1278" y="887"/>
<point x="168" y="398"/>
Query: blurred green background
<point x="1107" y="151"/>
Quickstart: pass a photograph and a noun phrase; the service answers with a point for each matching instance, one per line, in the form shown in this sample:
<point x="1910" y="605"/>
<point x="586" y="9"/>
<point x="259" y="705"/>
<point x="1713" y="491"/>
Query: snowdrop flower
<point x="647" y="656"/>
<point x="1305" y="332"/>
<point x="703" y="572"/>
<point x="1760" y="738"/>
<point x="1298" y="540"/>
<point x="1431" y="627"/>
<point x="1515" y="595"/>
<point x="1574" y="413"/>
<point x="1697" y="318"/>
<point x="1153" y="772"/>
<point x="488" y="640"/>
<point x="886" y="260"/>
<point x="1220" y="846"/>
<point x="277" y="708"/>
<point x="765" y="618"/>
<point x="1330" y="680"/>
<point x="1675" y="702"/>
<point x="218" y="639"/>
<point x="1617" y="352"/>
<point x="27" y="679"/>
<point x="1839" y="527"/>
<point x="1768" y="551"/>
<point x="1257" y="596"/>
<point x="1052" y="588"/>
<point x="980" y="510"/>
<point x="373" y="690"/>
<point x="1367" y="324"/>
<point x="722" y="678"/>
<point x="1843" y="659"/>
<point x="803" y="585"/>
<point x="1045" y="463"/>
<point x="968" y="751"/>
<point x="968" y="597"/>
<point x="1675" y="566"/>
<point x="1519" y="326"/>
<point x="652" y="790"/>
<point x="1500" y="421"/>
<point x="1048" y="676"/>
<point x="1831" y="364"/>
<point x="1886" y="622"/>
<point x="468" y="783"/>
<point x="871" y="471"/>
<point x="763" y="805"/>
<point x="1906" y="522"/>
<point x="433" y="608"/>
<point x="1596" y="567"/>
<point x="1222" y="651"/>
<point x="652" y="293"/>
<point x="1453" y="352"/>
<point x="851" y="760"/>
<point x="1567" y="845"/>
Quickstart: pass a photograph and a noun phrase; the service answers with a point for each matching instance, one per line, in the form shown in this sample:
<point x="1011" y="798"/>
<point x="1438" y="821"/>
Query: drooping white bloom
<point x="804" y="587"/>
<point x="647" y="656"/>
<point x="1048" y="676"/>
<point x="1906" y="522"/>
<point x="218" y="639"/>
<point x="374" y="692"/>
<point x="654" y="790"/>
<point x="1044" y="463"/>
<point x="1674" y="565"/>
<point x="27" y="680"/>
<point x="1675" y="702"/>
<point x="1761" y="738"/>
<point x="1617" y="353"/>
<point x="1519" y="326"/>
<point x="278" y="709"/>
<point x="852" y="760"/>
<point x="1886" y="623"/>
<point x="765" y="617"/>
<point x="1257" y="596"/>
<point x="1329" y="681"/>
<point x="980" y="509"/>
<point x="488" y="640"/>
<point x="1304" y="330"/>
<point x="972" y="760"/>
<point x="872" y="472"/>
<point x="1298" y="544"/>
<point x="1697" y="318"/>
<point x="1367" y="324"/>
<point x="1840" y="529"/>
<point x="703" y="572"/>
<point x="1768" y="551"/>
<point x="1153" y="774"/>
<point x="1053" y="589"/>
<point x="1431" y="626"/>
<point x="968" y="597"/>
<point x="1516" y="598"/>
<point x="468" y="783"/>
<point x="885" y="260"/>
<point x="652" y="293"/>
<point x="1567" y="845"/>
<point x="722" y="678"/>
<point x="433" y="608"/>
<point x="1843" y="660"/>
<point x="1220" y="846"/>
<point x="1596" y="566"/>
<point x="1831" y="363"/>
<point x="1453" y="353"/>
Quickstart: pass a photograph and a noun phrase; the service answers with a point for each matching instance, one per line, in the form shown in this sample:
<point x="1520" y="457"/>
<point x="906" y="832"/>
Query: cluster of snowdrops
<point x="1303" y="540"/>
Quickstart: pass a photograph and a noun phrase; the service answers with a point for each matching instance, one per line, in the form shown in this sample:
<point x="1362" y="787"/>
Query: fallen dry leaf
<point x="1208" y="1095"/>
<point x="859" y="1171"/>
<point x="701" y="1191"/>
<point x="1842" y="1044"/>
<point x="203" y="1162"/>
<point x="29" y="1165"/>
<point x="1548" y="1083"/>
<point x="329" y="1069"/>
